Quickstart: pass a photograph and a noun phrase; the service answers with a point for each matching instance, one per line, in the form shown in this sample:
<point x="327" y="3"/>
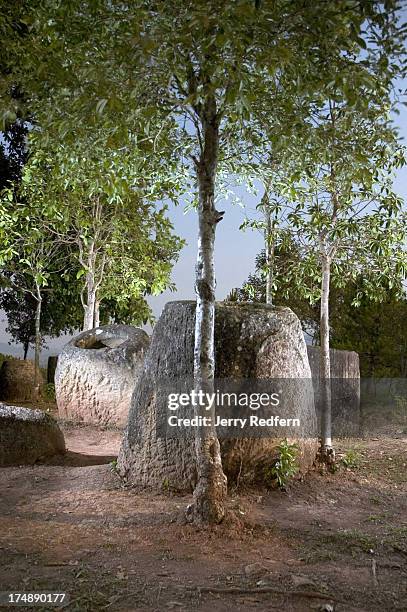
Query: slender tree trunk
<point x="269" y="258"/>
<point x="26" y="346"/>
<point x="88" y="321"/>
<point x="37" y="350"/>
<point x="96" y="318"/>
<point x="89" y="307"/>
<point x="327" y="452"/>
<point x="210" y="492"/>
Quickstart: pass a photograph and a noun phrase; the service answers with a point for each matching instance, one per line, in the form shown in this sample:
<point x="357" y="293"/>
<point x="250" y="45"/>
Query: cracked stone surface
<point x="97" y="372"/>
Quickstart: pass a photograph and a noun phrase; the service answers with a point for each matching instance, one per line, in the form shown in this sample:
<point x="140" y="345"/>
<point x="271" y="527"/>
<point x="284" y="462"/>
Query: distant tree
<point x="120" y="238"/>
<point x="20" y="312"/>
<point x="375" y="330"/>
<point x="284" y="291"/>
<point x="346" y="216"/>
<point x="30" y="257"/>
<point x="61" y="311"/>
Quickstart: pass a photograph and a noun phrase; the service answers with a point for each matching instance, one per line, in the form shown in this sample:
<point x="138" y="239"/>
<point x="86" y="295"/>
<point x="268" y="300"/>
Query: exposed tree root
<point x="326" y="458"/>
<point x="260" y="590"/>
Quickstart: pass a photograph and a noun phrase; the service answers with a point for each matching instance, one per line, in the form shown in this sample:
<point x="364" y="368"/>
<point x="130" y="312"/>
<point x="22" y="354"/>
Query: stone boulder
<point x="97" y="372"/>
<point x="253" y="342"/>
<point x="345" y="389"/>
<point x="17" y="381"/>
<point x="27" y="436"/>
<point x="344" y="364"/>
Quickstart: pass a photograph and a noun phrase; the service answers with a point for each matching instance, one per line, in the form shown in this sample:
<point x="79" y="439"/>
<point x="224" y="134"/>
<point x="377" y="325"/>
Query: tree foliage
<point x="61" y="311"/>
<point x="119" y="235"/>
<point x="376" y="330"/>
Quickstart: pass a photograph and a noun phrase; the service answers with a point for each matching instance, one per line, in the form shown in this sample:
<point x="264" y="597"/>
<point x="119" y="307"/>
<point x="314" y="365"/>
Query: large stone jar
<point x="97" y="372"/>
<point x="17" y="381"/>
<point x="252" y="342"/>
<point x="27" y="436"/>
<point x="345" y="390"/>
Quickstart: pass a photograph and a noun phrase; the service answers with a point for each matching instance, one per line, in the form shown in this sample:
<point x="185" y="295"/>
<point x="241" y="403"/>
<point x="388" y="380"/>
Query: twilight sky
<point x="235" y="254"/>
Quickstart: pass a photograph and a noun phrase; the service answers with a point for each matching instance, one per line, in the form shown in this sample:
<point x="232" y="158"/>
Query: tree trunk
<point x="269" y="258"/>
<point x="89" y="307"/>
<point x="210" y="492"/>
<point x="327" y="452"/>
<point x="37" y="351"/>
<point x="26" y="346"/>
<point x="88" y="321"/>
<point x="96" y="318"/>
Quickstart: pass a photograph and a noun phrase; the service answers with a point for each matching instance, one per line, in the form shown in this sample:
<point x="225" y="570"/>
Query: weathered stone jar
<point x="252" y="341"/>
<point x="27" y="436"/>
<point x="17" y="381"/>
<point x="97" y="372"/>
<point x="345" y="390"/>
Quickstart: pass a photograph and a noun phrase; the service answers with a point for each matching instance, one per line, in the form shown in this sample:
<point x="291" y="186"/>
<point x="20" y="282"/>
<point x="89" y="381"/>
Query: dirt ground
<point x="331" y="542"/>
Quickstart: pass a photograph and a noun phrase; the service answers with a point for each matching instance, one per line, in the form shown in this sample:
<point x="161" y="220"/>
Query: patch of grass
<point x="329" y="546"/>
<point x="390" y="469"/>
<point x="318" y="546"/>
<point x="402" y="531"/>
<point x="317" y="555"/>
<point x="167" y="555"/>
<point x="168" y="488"/>
<point x="352" y="538"/>
<point x="4" y="357"/>
<point x="397" y="537"/>
<point x="351" y="459"/>
<point x="377" y="518"/>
